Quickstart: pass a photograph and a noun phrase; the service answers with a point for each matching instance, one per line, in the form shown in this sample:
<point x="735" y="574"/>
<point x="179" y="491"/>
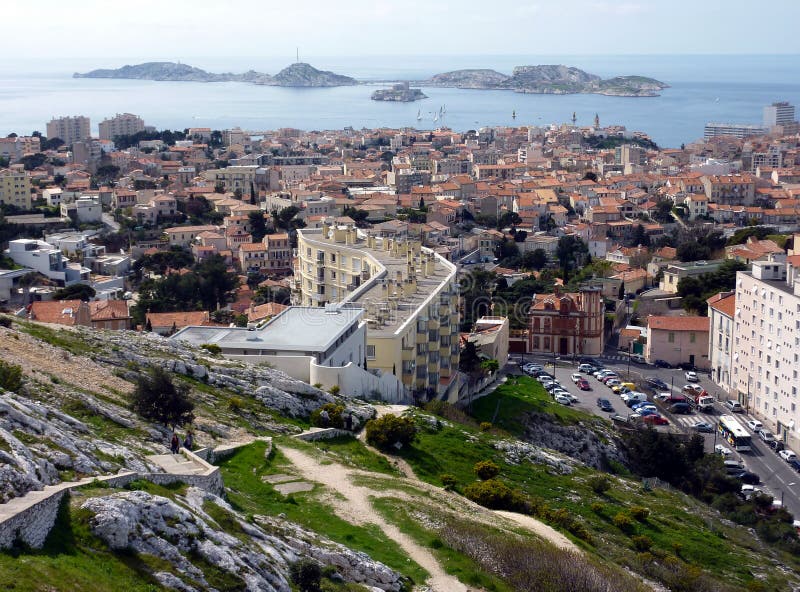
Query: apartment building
<point x="409" y="293"/>
<point x="766" y="337"/>
<point x="122" y="124"/>
<point x="675" y="272"/>
<point x="778" y="114"/>
<point x="721" y="308"/>
<point x="15" y="148"/>
<point x="47" y="260"/>
<point x="15" y="188"/>
<point x="70" y="129"/>
<point x="730" y="189"/>
<point x="737" y="130"/>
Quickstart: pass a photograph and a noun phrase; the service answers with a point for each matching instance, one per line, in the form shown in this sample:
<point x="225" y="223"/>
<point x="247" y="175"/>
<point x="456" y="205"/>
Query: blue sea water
<point x="703" y="88"/>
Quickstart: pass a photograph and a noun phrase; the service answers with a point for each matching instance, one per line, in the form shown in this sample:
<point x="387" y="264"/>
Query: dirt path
<point x="541" y="529"/>
<point x="357" y="508"/>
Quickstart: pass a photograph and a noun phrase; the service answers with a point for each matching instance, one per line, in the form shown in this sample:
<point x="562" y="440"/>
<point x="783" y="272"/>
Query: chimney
<point x="326" y="228"/>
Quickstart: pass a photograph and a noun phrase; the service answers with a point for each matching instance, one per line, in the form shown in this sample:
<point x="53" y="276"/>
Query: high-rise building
<point x="630" y="154"/>
<point x="70" y="129"/>
<point x="737" y="130"/>
<point x="778" y="114"/>
<point x="409" y="292"/>
<point x="125" y="124"/>
<point x="15" y="188"/>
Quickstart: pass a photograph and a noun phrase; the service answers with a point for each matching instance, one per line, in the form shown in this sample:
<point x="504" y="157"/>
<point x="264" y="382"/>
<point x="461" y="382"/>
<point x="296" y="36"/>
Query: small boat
<point x="419" y="115"/>
<point x="514" y="114"/>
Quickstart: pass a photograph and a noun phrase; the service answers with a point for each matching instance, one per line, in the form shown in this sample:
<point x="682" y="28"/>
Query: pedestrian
<point x="175" y="443"/>
<point x="324" y="418"/>
<point x="188" y="441"/>
<point x="348" y="422"/>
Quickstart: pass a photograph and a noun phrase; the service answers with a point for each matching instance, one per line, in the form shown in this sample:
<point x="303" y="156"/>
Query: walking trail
<point x="353" y="504"/>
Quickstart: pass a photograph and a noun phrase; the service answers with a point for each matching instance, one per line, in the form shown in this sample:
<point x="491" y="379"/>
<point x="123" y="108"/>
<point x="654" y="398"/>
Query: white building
<point x="766" y="357"/>
<point x="84" y="210"/>
<point x="737" y="130"/>
<point x="778" y="114"/>
<point x="721" y="309"/>
<point x="47" y="260"/>
<point x="125" y="124"/>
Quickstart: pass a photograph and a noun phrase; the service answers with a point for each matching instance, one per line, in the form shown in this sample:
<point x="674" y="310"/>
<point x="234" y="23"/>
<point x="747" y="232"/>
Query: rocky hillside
<point x="306" y="75"/>
<point x="470" y="78"/>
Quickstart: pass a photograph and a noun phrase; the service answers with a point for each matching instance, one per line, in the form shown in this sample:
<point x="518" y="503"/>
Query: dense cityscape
<point x="607" y="329"/>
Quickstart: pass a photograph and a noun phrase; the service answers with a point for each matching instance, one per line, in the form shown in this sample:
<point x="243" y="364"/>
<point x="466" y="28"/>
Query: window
<point x="671" y="337"/>
<point x="692" y="337"/>
<point x="546" y="343"/>
<point x="536" y="342"/>
<point x="370" y="352"/>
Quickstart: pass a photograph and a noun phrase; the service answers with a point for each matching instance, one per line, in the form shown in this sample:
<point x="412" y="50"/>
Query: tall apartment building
<point x="766" y="342"/>
<point x="124" y="124"/>
<point x="778" y="114"/>
<point x="737" y="130"/>
<point x="15" y="188"/>
<point x="630" y="154"/>
<point x="721" y="308"/>
<point x="70" y="129"/>
<point x="15" y="148"/>
<point x="409" y="292"/>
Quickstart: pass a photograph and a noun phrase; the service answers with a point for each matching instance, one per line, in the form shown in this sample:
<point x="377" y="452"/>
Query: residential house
<point x="678" y="340"/>
<point x="166" y="323"/>
<point x="566" y="323"/>
<point x="110" y="314"/>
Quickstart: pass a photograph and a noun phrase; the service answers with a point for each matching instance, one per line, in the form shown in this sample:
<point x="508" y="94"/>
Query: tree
<point x="75" y="292"/>
<point x="692" y="251"/>
<point x="422" y="207"/>
<point x="535" y="259"/>
<point x="663" y="211"/>
<point x="10" y="377"/>
<point x="621" y="294"/>
<point x="590" y="176"/>
<point x="258" y="225"/>
<point x="640" y="237"/>
<point x="106" y="173"/>
<point x="570" y="252"/>
<point x="508" y="219"/>
<point x="32" y="161"/>
<point x="306" y="575"/>
<point x="469" y="362"/>
<point x="389" y="431"/>
<point x="507" y="249"/>
<point x="216" y="282"/>
<point x="157" y="398"/>
<point x="490" y="366"/>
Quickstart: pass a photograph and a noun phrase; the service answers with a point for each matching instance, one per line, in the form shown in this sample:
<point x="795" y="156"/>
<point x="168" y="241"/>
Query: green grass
<point x="351" y="452"/>
<point x="62" y="338"/>
<point x="242" y="473"/>
<point x="454" y="563"/>
<point x="509" y="404"/>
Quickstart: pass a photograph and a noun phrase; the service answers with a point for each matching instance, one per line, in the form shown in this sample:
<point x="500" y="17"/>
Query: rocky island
<point x="297" y="75"/>
<point x="548" y="79"/>
<point x="400" y="93"/>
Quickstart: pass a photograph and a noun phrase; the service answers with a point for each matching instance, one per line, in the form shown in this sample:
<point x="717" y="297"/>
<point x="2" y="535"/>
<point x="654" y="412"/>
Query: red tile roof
<point x="678" y="323"/>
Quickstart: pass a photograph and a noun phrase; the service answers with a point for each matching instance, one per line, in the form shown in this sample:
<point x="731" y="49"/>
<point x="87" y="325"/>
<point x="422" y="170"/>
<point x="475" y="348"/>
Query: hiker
<point x="324" y="418"/>
<point x="175" y="443"/>
<point x="188" y="441"/>
<point x="348" y="422"/>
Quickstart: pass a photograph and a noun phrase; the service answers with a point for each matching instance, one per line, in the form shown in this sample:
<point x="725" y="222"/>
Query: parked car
<point x="767" y="437"/>
<point x="795" y="464"/>
<point x="691" y="376"/>
<point x="608" y="377"/>
<point x="600" y="373"/>
<point x="687" y="366"/>
<point x="587" y="368"/>
<point x="655" y="420"/>
<point x="693" y="387"/>
<point x="703" y="426"/>
<point x="656" y="383"/>
<point x="612" y="382"/>
<point x="620" y="389"/>
<point x="723" y="450"/>
<point x="754" y="425"/>
<point x="544" y="378"/>
<point x="584" y="385"/>
<point x="661" y="364"/>
<point x="682" y="408"/>
<point x="638" y="358"/>
<point x="604" y="404"/>
<point x="747" y="477"/>
<point x="734" y="406"/>
<point x="587" y="360"/>
<point x="644" y="405"/>
<point x="561" y="399"/>
<point x="645" y="411"/>
<point x="787" y="455"/>
<point x="576" y="377"/>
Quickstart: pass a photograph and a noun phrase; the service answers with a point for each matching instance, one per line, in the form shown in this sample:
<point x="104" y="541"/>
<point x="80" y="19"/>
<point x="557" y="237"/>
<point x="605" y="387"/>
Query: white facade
<point x="47" y="260"/>
<point x="125" y="124"/>
<point x="778" y="114"/>
<point x="766" y="357"/>
<point x="720" y="341"/>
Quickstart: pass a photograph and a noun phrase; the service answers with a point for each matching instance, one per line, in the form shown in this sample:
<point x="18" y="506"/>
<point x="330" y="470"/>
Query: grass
<point x="510" y="403"/>
<point x="62" y="338"/>
<point x="242" y="473"/>
<point x="351" y="452"/>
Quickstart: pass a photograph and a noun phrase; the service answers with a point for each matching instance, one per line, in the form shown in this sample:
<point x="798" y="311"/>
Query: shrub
<point x="334" y="390"/>
<point x="494" y="494"/>
<point x="10" y="376"/>
<point x="448" y="481"/>
<point x="486" y="469"/>
<point x="624" y="522"/>
<point x="235" y="404"/>
<point x="599" y="483"/>
<point x="5" y="322"/>
<point x="306" y="574"/>
<point x="212" y="348"/>
<point x="640" y="513"/>
<point x="391" y="431"/>
<point x="157" y="398"/>
<point x="485" y="426"/>
<point x="598" y="508"/>
<point x="335" y="419"/>
<point x="641" y="543"/>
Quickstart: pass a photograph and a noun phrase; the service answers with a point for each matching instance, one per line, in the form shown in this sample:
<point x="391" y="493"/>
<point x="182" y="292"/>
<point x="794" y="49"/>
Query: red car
<point x="655" y="420"/>
<point x="584" y="385"/>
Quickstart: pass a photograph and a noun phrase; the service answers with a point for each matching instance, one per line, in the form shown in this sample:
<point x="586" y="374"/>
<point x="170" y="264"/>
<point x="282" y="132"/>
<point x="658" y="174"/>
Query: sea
<point x="703" y="88"/>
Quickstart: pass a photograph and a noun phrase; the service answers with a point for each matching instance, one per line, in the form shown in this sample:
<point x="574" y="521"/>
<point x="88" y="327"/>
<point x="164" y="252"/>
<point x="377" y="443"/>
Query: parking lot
<point x="777" y="477"/>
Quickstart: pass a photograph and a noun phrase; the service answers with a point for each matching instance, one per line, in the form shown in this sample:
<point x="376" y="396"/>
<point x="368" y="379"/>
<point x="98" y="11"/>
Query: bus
<point x="733" y="433"/>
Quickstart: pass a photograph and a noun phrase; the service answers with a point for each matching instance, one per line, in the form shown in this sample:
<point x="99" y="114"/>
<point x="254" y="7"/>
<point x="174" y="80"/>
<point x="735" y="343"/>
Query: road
<point x="777" y="477"/>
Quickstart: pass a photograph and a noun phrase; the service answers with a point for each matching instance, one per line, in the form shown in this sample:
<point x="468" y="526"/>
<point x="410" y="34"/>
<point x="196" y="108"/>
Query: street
<point x="777" y="477"/>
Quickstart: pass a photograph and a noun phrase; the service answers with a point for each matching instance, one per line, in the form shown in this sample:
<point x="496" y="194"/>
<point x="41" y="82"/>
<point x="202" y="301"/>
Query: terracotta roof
<point x="678" y="323"/>
<point x="178" y="319"/>
<point x="724" y="303"/>
<point x="262" y="311"/>
<point x="106" y="310"/>
<point x="60" y="312"/>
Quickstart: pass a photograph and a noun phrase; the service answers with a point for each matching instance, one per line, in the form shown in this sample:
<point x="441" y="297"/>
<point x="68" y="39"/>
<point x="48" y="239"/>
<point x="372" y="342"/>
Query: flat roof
<point x="298" y="328"/>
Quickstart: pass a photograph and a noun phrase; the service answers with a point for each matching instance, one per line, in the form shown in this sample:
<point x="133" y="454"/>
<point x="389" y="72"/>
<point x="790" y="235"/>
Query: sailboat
<point x="419" y="115"/>
<point x="514" y="114"/>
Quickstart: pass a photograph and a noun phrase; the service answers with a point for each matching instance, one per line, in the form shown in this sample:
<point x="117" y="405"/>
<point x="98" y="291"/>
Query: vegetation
<point x="157" y="398"/>
<point x="75" y="292"/>
<point x="694" y="291"/>
<point x="306" y="574"/>
<point x="10" y="377"/>
<point x="700" y="246"/>
<point x="390" y="432"/>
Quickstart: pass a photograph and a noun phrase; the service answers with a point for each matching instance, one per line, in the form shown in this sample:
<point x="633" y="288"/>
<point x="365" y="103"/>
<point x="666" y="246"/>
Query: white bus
<point x="734" y="433"/>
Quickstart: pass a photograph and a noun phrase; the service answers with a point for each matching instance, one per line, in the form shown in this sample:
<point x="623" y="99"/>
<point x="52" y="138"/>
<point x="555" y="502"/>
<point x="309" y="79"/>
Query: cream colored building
<point x="15" y="188"/>
<point x="125" y="124"/>
<point x="70" y="129"/>
<point x="409" y="292"/>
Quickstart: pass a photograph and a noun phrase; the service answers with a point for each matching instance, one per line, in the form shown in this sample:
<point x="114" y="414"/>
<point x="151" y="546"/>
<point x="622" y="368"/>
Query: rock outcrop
<point x="305" y="75"/>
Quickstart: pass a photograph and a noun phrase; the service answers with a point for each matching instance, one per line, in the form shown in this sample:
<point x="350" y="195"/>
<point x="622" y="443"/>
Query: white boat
<point x="419" y="115"/>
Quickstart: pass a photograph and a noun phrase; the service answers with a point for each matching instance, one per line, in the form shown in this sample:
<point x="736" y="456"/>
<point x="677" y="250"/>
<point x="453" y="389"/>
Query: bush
<point x="10" y="376"/>
<point x="448" y="481"/>
<point x="334" y="390"/>
<point x="485" y="426"/>
<point x="598" y="508"/>
<point x="212" y="348"/>
<point x="5" y="322"/>
<point x="335" y="419"/>
<point x="641" y="543"/>
<point x="640" y="513"/>
<point x="391" y="431"/>
<point x="157" y="398"/>
<point x="486" y="469"/>
<point x="306" y="574"/>
<point x="494" y="494"/>
<point x="599" y="483"/>
<point x="624" y="522"/>
<point x="235" y="404"/>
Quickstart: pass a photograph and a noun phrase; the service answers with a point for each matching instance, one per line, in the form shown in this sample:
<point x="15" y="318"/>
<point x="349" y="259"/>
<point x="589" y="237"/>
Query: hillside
<point x="306" y="75"/>
<point x="373" y="521"/>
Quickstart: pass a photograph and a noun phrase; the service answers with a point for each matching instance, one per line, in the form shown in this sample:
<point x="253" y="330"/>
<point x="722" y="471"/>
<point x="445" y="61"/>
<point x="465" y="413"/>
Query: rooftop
<point x="678" y="323"/>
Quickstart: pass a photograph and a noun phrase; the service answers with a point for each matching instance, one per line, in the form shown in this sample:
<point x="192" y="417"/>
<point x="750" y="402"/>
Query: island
<point x="400" y="92"/>
<point x="548" y="79"/>
<point x="296" y="75"/>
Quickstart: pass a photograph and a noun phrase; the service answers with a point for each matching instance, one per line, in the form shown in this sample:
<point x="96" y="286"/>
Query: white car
<point x="600" y="373"/>
<point x="691" y="376"/>
<point x="576" y="377"/>
<point x="613" y="382"/>
<point x="695" y="387"/>
<point x="638" y="358"/>
<point x="586" y="368"/>
<point x="562" y="400"/>
<point x="755" y="425"/>
<point x="787" y="455"/>
<point x="720" y="449"/>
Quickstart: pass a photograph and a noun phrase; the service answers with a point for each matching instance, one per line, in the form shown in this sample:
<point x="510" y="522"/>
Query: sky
<point x="181" y="29"/>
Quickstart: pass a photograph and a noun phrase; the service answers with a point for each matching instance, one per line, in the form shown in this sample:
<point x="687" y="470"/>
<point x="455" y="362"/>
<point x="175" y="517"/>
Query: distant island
<point x="400" y="92"/>
<point x="548" y="79"/>
<point x="297" y="75"/>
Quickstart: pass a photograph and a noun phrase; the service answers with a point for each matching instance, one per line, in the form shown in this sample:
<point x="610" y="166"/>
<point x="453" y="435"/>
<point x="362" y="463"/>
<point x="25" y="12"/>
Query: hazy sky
<point x="175" y="29"/>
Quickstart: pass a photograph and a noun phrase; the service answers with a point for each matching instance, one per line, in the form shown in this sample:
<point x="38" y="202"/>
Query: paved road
<point x="777" y="477"/>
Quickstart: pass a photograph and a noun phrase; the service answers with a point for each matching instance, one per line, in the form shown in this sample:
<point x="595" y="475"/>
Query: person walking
<point x="188" y="441"/>
<point x="175" y="443"/>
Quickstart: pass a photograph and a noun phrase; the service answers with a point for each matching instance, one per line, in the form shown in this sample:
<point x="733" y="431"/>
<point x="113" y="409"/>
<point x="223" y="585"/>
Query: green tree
<point x="490" y="366"/>
<point x="216" y="282"/>
<point x="75" y="292"/>
<point x="306" y="574"/>
<point x="640" y="237"/>
<point x="10" y="377"/>
<point x="536" y="259"/>
<point x="571" y="251"/>
<point x="663" y="211"/>
<point x="157" y="398"/>
<point x="508" y="219"/>
<point x="258" y="225"/>
<point x="422" y="207"/>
